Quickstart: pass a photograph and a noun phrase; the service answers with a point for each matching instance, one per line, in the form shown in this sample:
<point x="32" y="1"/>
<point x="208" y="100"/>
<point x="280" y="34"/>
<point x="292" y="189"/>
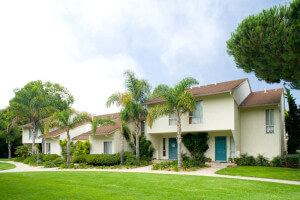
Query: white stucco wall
<point x="254" y="139"/>
<point x="241" y="92"/>
<point x="218" y="114"/>
<point x="25" y="136"/>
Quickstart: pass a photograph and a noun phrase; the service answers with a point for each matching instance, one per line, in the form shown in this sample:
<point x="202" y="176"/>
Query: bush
<point x="245" y="160"/>
<point x="146" y="148"/>
<point x="130" y="159"/>
<point x="262" y="161"/>
<point x="63" y="146"/>
<point x="82" y="148"/>
<point x="80" y="159"/>
<point x="50" y="157"/>
<point x="278" y="161"/>
<point x="103" y="159"/>
<point x="195" y="143"/>
<point x="22" y="151"/>
<point x="32" y="159"/>
<point x="198" y="160"/>
<point x="19" y="159"/>
<point x="54" y="163"/>
<point x="292" y="161"/>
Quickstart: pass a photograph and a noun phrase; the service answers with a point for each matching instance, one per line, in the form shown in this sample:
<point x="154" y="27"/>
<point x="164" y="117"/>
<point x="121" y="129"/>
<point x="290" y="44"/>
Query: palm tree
<point x="137" y="92"/>
<point x="179" y="100"/>
<point x="67" y="119"/>
<point x="30" y="104"/>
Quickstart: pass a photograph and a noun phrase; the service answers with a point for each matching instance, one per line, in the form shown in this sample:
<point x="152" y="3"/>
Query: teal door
<point x="221" y="153"/>
<point x="172" y="148"/>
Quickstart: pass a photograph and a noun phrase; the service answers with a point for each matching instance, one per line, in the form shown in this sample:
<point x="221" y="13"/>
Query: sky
<point x="87" y="45"/>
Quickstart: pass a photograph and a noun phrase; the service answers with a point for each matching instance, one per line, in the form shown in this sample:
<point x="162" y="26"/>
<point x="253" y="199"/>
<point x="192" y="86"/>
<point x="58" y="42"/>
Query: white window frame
<point x="192" y="115"/>
<point x="143" y="126"/>
<point x="270" y="128"/>
<point x="111" y="147"/>
<point x="48" y="150"/>
<point x="172" y="119"/>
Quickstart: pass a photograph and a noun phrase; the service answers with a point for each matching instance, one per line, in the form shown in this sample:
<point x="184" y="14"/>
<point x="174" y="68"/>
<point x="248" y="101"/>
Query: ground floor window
<point x="48" y="148"/>
<point x="164" y="146"/>
<point x="107" y="148"/>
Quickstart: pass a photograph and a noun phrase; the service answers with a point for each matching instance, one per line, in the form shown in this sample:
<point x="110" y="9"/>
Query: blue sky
<point x="87" y="45"/>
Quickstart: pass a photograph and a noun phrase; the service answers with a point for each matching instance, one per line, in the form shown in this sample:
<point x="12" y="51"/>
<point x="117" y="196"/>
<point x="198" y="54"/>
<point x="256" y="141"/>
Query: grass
<point x="122" y="185"/>
<point x="4" y="159"/>
<point x="262" y="172"/>
<point x="5" y="166"/>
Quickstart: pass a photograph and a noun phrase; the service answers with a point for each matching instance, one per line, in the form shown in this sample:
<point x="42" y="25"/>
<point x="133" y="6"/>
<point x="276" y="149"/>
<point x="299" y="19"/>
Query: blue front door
<point x="221" y="153"/>
<point x="172" y="148"/>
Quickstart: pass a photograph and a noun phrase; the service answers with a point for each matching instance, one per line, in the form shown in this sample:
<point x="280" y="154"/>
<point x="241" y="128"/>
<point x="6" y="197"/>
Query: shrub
<point x="19" y="159"/>
<point x="63" y="146"/>
<point x="262" y="161"/>
<point x="130" y="160"/>
<point x="50" y="157"/>
<point x="196" y="143"/>
<point x="146" y="148"/>
<point x="22" y="151"/>
<point x="54" y="163"/>
<point x="198" y="159"/>
<point x="277" y="161"/>
<point x="32" y="159"/>
<point x="80" y="159"/>
<point x="292" y="161"/>
<point x="103" y="159"/>
<point x="246" y="160"/>
<point x="82" y="148"/>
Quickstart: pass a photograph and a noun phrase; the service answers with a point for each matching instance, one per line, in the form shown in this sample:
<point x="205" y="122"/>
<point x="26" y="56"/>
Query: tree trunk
<point x="33" y="137"/>
<point x="37" y="156"/>
<point x="43" y="146"/>
<point x="9" y="149"/>
<point x="137" y="141"/>
<point x="122" y="144"/>
<point x="179" y="140"/>
<point x="68" y="149"/>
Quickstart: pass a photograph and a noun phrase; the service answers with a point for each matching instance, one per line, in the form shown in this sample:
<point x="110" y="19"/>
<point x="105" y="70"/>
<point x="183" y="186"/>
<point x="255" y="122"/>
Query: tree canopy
<point x="268" y="44"/>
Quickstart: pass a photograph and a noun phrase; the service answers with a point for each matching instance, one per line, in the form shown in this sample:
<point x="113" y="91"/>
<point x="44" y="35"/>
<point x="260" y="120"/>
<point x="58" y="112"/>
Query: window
<point x="142" y="127"/>
<point x="48" y="148"/>
<point x="107" y="147"/>
<point x="172" y="119"/>
<point x="196" y="116"/>
<point x="270" y="120"/>
<point x="29" y="134"/>
<point x="164" y="146"/>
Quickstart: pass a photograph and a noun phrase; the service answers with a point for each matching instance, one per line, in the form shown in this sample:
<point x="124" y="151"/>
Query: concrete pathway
<point x="208" y="171"/>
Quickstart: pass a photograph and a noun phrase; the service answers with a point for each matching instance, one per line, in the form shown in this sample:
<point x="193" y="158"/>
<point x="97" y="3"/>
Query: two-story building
<point x="236" y="119"/>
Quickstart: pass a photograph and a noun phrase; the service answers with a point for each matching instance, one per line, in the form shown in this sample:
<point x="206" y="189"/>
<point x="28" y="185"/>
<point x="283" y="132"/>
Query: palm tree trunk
<point x="9" y="149"/>
<point x="68" y="149"/>
<point x="137" y="141"/>
<point x="43" y="146"/>
<point x="37" y="156"/>
<point x="122" y="144"/>
<point x="33" y="137"/>
<point x="179" y="140"/>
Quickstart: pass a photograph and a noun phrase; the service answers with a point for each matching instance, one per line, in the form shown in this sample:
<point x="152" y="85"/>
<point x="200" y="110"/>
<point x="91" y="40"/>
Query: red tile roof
<point x="104" y="130"/>
<point x="81" y="137"/>
<point x="207" y="89"/>
<point x="263" y="98"/>
<point x="58" y="132"/>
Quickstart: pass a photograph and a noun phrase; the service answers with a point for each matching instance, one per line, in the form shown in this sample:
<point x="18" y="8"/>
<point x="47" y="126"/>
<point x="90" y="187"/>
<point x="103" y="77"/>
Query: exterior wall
<point x="54" y="145"/>
<point x="25" y="136"/>
<point x="254" y="139"/>
<point x="241" y="92"/>
<point x="157" y="142"/>
<point x="218" y="114"/>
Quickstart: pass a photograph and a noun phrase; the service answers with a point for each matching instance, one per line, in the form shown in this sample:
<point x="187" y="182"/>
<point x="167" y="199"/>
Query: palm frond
<point x="186" y="102"/>
<point x="101" y="122"/>
<point x="158" y="111"/>
<point x="185" y="84"/>
<point x="114" y="99"/>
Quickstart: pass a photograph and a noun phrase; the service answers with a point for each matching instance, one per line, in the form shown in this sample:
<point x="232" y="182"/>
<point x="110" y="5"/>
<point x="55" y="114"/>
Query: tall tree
<point x="178" y="100"/>
<point x="292" y="123"/>
<point x="137" y="92"/>
<point x="67" y="119"/>
<point x="38" y="100"/>
<point x="8" y="129"/>
<point x="268" y="44"/>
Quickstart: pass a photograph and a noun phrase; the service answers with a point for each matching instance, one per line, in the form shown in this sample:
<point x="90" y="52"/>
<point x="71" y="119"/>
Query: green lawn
<point x="4" y="159"/>
<point x="122" y="185"/>
<point x="262" y="172"/>
<point x="5" y="166"/>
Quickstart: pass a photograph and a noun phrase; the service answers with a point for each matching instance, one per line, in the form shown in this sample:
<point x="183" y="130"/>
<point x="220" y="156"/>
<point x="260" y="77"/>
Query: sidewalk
<point x="209" y="171"/>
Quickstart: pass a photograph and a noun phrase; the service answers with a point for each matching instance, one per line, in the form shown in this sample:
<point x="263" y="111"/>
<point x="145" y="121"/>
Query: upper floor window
<point x="142" y="127"/>
<point x="172" y="119"/>
<point x="196" y="117"/>
<point x="270" y="120"/>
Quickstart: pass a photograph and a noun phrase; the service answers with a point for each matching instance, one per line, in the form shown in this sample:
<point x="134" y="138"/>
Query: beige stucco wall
<point x="218" y="114"/>
<point x="25" y="136"/>
<point x="254" y="139"/>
